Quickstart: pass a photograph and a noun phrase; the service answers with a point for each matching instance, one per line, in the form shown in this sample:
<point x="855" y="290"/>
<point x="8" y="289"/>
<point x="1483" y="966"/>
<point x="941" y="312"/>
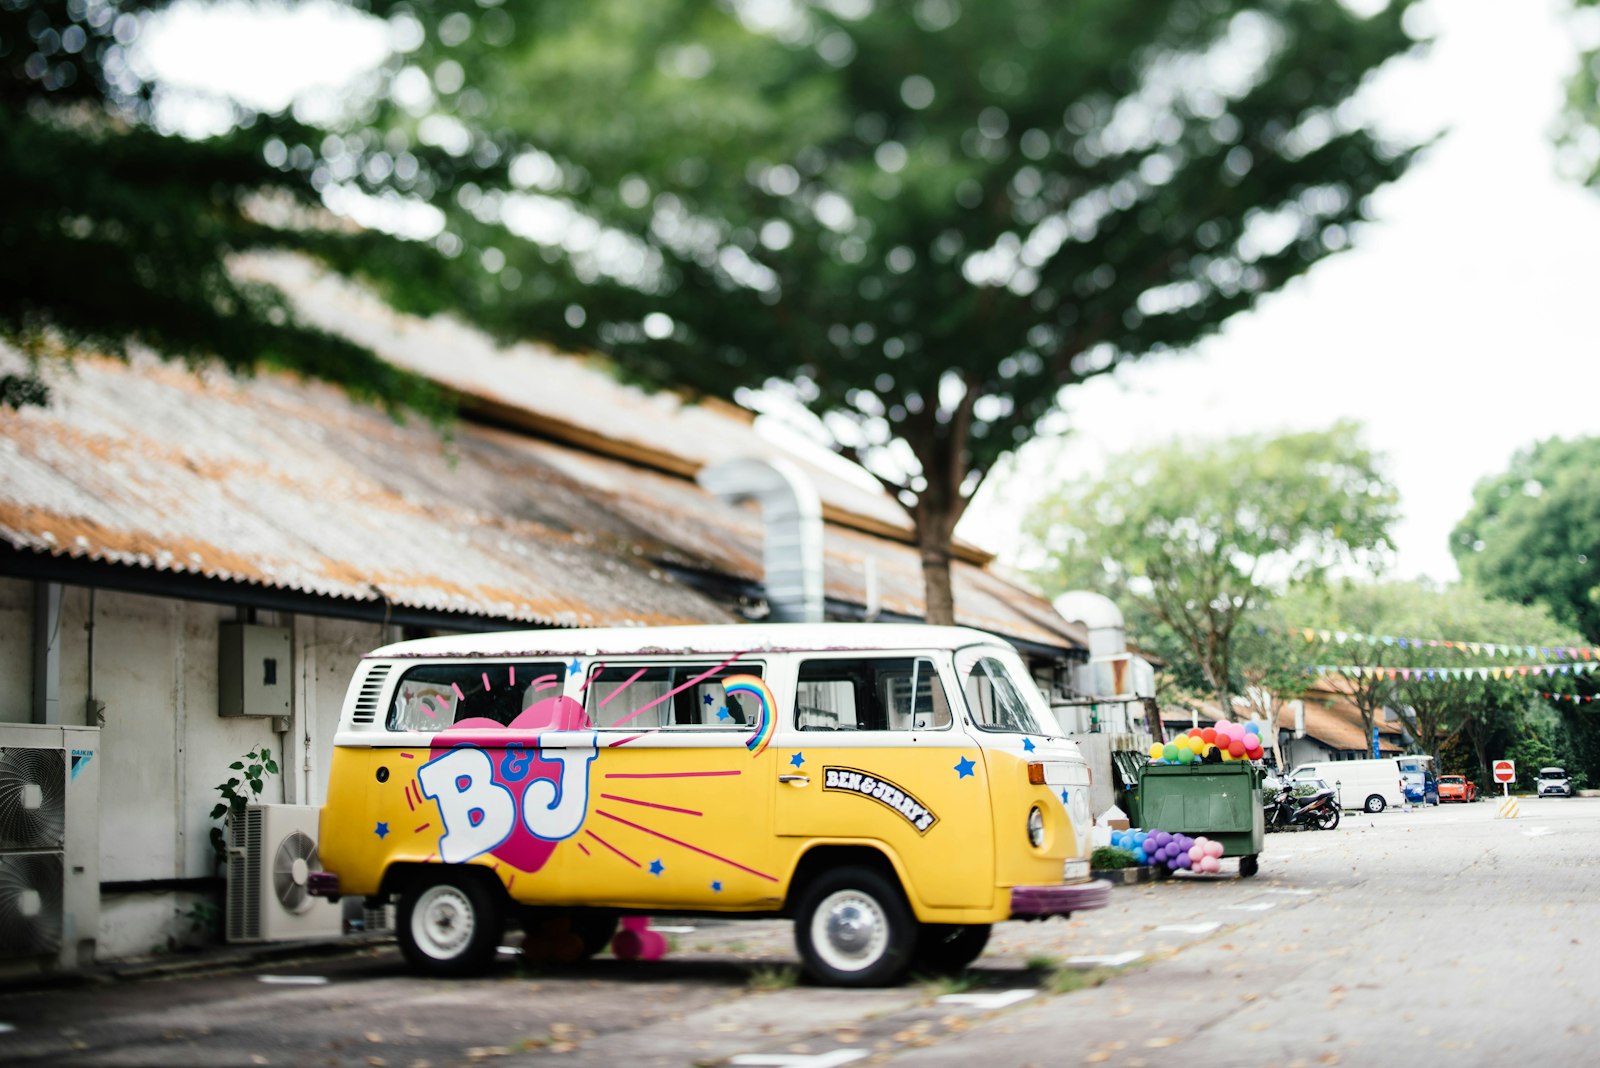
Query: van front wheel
<point x="853" y="928"/>
<point x="448" y="924"/>
<point x="1376" y="803"/>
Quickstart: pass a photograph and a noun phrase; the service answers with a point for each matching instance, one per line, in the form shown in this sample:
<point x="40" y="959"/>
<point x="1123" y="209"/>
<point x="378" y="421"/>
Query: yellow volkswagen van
<point x="894" y="789"/>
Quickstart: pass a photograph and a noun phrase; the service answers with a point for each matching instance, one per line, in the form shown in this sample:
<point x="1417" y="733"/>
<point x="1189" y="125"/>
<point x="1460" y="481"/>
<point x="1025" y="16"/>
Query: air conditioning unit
<point x="272" y="848"/>
<point x="49" y="847"/>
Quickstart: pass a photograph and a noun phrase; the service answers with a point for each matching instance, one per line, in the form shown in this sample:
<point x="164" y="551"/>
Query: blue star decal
<point x="381" y="830"/>
<point x="656" y="867"/>
<point x="574" y="667"/>
<point x="716" y="886"/>
<point x="797" y="759"/>
<point x="1028" y="746"/>
<point x="1063" y="795"/>
<point x="706" y="699"/>
<point x="722" y="712"/>
<point x="964" y="769"/>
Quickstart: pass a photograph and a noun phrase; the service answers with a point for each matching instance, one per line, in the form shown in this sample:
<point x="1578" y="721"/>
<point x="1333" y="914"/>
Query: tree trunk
<point x="939" y="606"/>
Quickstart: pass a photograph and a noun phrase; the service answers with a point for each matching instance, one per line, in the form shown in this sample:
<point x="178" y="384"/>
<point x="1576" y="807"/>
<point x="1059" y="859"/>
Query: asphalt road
<point x="1442" y="935"/>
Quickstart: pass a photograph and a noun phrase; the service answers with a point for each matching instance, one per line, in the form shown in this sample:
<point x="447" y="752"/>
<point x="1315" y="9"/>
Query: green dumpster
<point x="1220" y="801"/>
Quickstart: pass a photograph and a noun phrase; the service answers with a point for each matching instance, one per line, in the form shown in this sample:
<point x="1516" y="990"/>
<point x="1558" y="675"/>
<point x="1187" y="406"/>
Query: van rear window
<point x="431" y="697"/>
<point x="662" y="696"/>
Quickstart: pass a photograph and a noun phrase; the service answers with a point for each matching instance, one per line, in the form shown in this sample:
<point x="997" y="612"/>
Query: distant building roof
<point x="1333" y="719"/>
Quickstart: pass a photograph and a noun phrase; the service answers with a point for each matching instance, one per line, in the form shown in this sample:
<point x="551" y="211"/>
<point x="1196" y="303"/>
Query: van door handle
<point x="797" y="780"/>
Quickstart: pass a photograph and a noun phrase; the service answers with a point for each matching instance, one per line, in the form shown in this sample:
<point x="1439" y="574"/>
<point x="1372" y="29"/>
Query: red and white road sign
<point x="1505" y="771"/>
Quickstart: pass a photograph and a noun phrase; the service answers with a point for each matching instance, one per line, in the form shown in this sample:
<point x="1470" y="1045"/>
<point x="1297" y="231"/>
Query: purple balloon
<point x="1162" y="838"/>
<point x="1182" y="860"/>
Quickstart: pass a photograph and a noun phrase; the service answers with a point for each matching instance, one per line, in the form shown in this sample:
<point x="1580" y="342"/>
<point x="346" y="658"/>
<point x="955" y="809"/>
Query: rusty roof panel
<point x="577" y="392"/>
<point x="290" y="485"/>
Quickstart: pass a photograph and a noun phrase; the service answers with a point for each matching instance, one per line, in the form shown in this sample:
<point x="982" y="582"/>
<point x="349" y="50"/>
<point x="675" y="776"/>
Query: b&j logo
<point x="498" y="793"/>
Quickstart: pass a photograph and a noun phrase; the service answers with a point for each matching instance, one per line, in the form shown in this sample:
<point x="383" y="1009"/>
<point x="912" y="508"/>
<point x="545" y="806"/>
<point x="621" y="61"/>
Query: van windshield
<point x="999" y="693"/>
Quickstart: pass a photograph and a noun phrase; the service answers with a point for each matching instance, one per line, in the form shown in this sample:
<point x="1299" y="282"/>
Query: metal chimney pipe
<point x="792" y="542"/>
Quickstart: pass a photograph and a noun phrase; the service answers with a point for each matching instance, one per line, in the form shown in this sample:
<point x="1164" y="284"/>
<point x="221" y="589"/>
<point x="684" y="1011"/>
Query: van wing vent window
<point x="371" y="688"/>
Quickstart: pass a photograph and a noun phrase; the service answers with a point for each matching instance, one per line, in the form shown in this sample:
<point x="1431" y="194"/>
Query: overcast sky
<point x="1461" y="328"/>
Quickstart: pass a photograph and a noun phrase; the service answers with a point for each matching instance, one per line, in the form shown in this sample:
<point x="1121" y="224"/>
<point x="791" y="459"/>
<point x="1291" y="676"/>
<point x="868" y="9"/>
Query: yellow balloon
<point x="1156" y="750"/>
<point x="1226" y="755"/>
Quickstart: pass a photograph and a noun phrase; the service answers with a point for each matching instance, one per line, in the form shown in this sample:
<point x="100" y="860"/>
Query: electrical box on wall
<point x="253" y="670"/>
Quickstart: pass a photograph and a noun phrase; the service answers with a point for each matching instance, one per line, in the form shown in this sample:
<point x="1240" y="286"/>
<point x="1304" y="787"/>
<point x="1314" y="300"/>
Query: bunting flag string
<point x="1342" y="637"/>
<point x="1574" y="698"/>
<point x="1448" y="674"/>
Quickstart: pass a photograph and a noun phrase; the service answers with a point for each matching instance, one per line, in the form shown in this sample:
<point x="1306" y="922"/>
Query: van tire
<point x="853" y="928"/>
<point x="943" y="948"/>
<point x="449" y="923"/>
<point x="1376" y="803"/>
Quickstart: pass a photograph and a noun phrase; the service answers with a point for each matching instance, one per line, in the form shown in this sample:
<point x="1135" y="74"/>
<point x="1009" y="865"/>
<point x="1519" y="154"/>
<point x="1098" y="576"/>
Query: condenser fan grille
<point x="30" y="904"/>
<point x="33" y="787"/>
<point x="296" y="855"/>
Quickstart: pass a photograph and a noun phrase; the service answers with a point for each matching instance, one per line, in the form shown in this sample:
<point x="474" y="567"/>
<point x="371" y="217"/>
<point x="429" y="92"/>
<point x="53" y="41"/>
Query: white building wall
<point x="163" y="747"/>
<point x="16" y="651"/>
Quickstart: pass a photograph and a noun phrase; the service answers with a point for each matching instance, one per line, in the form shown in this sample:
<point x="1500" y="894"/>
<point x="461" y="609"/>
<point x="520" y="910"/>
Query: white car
<point x="1553" y="782"/>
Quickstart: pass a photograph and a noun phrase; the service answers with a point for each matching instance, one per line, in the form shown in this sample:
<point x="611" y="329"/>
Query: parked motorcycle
<point x="1317" y="811"/>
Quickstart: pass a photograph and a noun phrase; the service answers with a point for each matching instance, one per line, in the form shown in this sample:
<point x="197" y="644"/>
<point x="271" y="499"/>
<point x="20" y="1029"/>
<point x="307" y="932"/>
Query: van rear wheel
<point x="1376" y="803"/>
<point x="853" y="928"/>
<point x="448" y="924"/>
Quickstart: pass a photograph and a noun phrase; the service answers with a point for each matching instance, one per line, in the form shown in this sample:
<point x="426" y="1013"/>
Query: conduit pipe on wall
<point x="791" y="513"/>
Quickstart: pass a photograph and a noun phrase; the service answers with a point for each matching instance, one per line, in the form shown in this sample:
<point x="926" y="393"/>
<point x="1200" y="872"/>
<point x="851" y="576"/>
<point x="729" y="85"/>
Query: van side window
<point x="870" y="694"/>
<point x="431" y="697"/>
<point x="669" y="696"/>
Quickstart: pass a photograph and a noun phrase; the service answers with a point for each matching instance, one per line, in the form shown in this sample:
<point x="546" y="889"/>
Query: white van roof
<point x="735" y="638"/>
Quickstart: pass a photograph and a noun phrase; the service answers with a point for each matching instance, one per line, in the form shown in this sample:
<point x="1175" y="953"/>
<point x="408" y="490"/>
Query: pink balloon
<point x="1215" y="849"/>
<point x="1197" y="851"/>
<point x="1210" y="864"/>
<point x="1252" y="742"/>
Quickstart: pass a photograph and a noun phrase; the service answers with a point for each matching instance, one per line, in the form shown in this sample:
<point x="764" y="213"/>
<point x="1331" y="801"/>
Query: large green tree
<point x="1533" y="533"/>
<point x="1198" y="535"/>
<point x="920" y="220"/>
<point x="1581" y="121"/>
<point x="113" y="232"/>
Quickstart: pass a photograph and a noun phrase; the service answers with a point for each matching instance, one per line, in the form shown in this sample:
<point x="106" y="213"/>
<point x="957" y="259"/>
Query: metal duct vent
<point x="366" y="709"/>
<point x="792" y="543"/>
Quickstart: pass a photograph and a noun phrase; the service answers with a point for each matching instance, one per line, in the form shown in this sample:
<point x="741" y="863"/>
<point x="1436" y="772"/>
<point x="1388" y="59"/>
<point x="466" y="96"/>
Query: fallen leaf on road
<point x="1162" y="1041"/>
<point x="373" y="1036"/>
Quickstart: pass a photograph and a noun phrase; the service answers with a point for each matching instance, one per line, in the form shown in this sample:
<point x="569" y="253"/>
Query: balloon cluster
<point x="1175" y="852"/>
<point x="1234" y="741"/>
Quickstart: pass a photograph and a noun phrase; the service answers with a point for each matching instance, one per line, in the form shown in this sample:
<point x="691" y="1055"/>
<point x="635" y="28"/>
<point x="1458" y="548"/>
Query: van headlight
<point x="1036" y="827"/>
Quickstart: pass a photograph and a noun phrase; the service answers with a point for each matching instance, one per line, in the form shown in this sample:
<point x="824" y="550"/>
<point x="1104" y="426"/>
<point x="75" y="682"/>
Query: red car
<point x="1456" y="788"/>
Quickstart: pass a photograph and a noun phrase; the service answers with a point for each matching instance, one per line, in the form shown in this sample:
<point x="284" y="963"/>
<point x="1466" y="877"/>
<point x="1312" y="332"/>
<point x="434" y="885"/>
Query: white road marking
<point x="1537" y="832"/>
<point x="1297" y="893"/>
<point x="1110" y="960"/>
<point x="800" y="1060"/>
<point x="294" y="980"/>
<point x="997" y="1000"/>
<point x="5" y="1027"/>
<point x="1255" y="906"/>
<point x="1190" y="928"/>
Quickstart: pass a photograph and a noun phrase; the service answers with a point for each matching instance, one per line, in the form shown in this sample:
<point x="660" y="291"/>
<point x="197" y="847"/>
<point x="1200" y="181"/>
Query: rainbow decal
<point x="752" y="685"/>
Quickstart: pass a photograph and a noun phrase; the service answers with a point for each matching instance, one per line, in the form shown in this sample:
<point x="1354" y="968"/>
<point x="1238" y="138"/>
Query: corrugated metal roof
<point x="577" y="394"/>
<point x="292" y="486"/>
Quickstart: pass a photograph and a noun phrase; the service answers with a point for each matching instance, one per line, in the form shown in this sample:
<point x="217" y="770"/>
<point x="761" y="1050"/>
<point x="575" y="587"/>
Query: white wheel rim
<point x="443" y="922"/>
<point x="850" y="930"/>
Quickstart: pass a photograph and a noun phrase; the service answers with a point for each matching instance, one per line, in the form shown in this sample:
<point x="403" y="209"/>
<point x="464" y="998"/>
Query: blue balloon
<point x="1252" y="728"/>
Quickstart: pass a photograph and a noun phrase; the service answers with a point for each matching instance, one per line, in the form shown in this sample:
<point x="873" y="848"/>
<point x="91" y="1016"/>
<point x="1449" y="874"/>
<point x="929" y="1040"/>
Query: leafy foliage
<point x="1197" y="536"/>
<point x="113" y="232"/>
<point x="1533" y="534"/>
<point x="240" y="790"/>
<point x="921" y="220"/>
<point x="1582" y="119"/>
